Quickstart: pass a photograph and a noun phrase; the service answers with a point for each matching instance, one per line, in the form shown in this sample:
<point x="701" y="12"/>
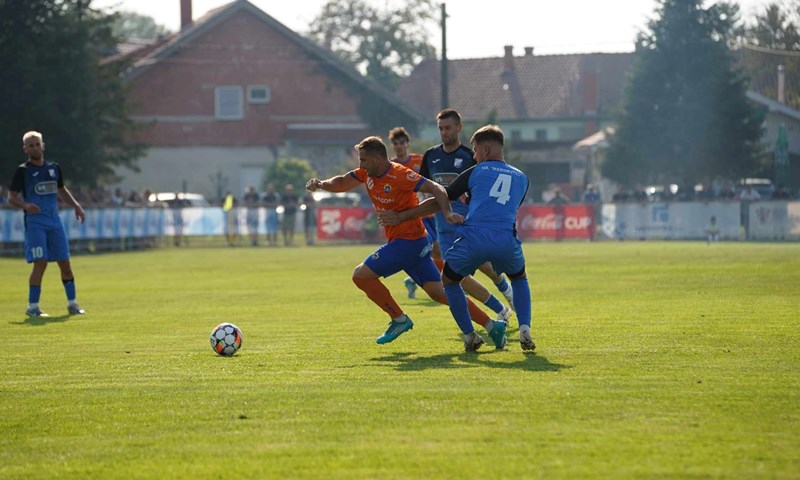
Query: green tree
<point x="686" y="117"/>
<point x="384" y="44"/>
<point x="283" y="171"/>
<point x="131" y="25"/>
<point x="772" y="37"/>
<point x="53" y="81"/>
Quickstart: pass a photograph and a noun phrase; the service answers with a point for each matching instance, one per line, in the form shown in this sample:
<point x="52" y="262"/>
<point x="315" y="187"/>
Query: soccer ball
<point x="226" y="339"/>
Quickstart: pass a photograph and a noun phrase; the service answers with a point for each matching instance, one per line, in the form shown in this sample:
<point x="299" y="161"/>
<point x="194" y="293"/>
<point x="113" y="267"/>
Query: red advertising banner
<point x="556" y="222"/>
<point x="348" y="223"/>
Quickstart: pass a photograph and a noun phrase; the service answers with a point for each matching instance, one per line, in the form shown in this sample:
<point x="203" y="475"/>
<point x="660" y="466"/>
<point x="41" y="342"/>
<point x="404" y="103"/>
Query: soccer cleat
<point x="525" y="340"/>
<point x="395" y="330"/>
<point x="498" y="335"/>
<point x="75" y="309"/>
<point x="35" y="312"/>
<point x="411" y="287"/>
<point x="504" y="316"/>
<point x="473" y="341"/>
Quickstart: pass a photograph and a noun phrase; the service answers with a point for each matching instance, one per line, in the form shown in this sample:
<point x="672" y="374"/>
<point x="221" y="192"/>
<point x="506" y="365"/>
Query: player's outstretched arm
<point x="339" y="183"/>
<point x="442" y="201"/>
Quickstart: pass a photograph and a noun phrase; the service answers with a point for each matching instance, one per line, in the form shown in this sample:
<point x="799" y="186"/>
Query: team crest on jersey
<point x="412" y="176"/>
<point x="52" y="172"/>
<point x="370" y="183"/>
<point x="458" y="162"/>
<point x="387" y="188"/>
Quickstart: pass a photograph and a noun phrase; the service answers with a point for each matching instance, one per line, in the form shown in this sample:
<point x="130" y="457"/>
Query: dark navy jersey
<point x="496" y="190"/>
<point x="39" y="185"/>
<point x="443" y="168"/>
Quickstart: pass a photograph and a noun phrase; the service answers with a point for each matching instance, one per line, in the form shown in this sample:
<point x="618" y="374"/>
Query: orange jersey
<point x="395" y="190"/>
<point x="414" y="161"/>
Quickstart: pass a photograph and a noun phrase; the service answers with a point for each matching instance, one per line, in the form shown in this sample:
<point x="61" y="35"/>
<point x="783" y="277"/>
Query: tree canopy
<point x="131" y="25"/>
<point x="285" y="171"/>
<point x="686" y="118"/>
<point x="54" y="81"/>
<point x="383" y="43"/>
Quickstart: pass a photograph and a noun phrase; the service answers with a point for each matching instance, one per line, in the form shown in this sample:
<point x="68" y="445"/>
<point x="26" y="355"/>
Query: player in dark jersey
<point x="35" y="188"/>
<point x="442" y="164"/>
<point x="392" y="186"/>
<point x="488" y="233"/>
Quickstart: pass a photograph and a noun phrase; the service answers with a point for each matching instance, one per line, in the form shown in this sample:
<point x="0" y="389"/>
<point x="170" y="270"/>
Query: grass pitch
<point x="654" y="360"/>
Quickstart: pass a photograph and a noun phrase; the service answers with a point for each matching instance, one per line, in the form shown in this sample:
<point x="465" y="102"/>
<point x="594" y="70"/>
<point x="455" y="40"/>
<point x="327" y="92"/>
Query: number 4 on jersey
<point x="501" y="188"/>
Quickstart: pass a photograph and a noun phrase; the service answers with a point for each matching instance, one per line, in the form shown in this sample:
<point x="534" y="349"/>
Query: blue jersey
<point x="39" y="185"/>
<point x="495" y="190"/>
<point x="443" y="168"/>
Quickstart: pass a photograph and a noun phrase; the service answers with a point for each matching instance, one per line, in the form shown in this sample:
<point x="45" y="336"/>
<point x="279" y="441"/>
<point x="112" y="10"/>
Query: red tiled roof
<point x="537" y="86"/>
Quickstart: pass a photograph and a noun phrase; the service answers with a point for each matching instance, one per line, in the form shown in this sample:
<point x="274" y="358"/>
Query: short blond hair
<point x="31" y="134"/>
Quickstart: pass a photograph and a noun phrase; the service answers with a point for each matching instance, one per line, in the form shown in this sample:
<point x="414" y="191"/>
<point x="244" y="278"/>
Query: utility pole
<point x="444" y="76"/>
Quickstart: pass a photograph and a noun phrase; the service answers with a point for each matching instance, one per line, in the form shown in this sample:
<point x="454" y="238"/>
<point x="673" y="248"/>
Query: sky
<point x="474" y="30"/>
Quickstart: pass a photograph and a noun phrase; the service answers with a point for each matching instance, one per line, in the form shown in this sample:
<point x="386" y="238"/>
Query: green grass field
<point x="654" y="360"/>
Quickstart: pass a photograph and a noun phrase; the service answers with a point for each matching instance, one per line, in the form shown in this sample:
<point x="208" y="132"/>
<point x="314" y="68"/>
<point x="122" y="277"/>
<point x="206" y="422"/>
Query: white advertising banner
<point x="774" y="221"/>
<point x="675" y="220"/>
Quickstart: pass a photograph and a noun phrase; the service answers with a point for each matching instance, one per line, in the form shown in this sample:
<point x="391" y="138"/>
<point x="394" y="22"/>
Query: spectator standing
<point x="271" y="199"/>
<point x="290" y="204"/>
<point x="252" y="201"/>
<point x="310" y="217"/>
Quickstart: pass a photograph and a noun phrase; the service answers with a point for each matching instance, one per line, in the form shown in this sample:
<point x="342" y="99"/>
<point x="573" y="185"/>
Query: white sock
<point x="400" y="319"/>
<point x="72" y="302"/>
<point x="33" y="305"/>
<point x="489" y="326"/>
<point x="525" y="329"/>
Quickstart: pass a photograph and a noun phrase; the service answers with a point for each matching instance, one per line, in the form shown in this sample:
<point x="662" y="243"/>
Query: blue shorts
<point x="411" y="256"/>
<point x="446" y="240"/>
<point x="46" y="243"/>
<point x="430" y="226"/>
<point x="475" y="246"/>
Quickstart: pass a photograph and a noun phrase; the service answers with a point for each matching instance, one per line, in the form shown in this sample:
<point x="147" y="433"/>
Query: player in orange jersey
<point x="392" y="186"/>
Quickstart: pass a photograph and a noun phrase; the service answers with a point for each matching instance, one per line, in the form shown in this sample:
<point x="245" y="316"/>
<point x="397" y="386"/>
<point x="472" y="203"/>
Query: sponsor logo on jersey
<point x="444" y="179"/>
<point x="458" y="162"/>
<point x="46" y="188"/>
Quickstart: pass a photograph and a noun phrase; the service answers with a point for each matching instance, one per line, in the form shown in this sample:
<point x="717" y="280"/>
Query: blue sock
<point x="503" y="285"/>
<point x="494" y="304"/>
<point x="457" y="302"/>
<point x="34" y="291"/>
<point x="69" y="287"/>
<point x="522" y="300"/>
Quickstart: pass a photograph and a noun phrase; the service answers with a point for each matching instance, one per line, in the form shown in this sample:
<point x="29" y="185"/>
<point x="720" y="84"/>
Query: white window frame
<point x="251" y="88"/>
<point x="220" y="90"/>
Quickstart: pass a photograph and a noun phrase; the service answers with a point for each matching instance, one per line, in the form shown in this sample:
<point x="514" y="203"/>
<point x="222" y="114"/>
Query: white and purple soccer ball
<point x="226" y="339"/>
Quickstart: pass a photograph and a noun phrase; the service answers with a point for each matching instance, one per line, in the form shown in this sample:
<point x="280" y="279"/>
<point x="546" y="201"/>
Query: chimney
<point x="528" y="51"/>
<point x="590" y="100"/>
<point x="508" y="60"/>
<point x="186" y="13"/>
<point x="781" y="84"/>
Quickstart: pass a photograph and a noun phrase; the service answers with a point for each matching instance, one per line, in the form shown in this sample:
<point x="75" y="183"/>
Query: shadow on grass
<point x="39" y="321"/>
<point x="411" y="362"/>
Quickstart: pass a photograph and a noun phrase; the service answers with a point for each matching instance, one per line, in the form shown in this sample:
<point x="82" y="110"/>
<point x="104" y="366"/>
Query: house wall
<point x="207" y="170"/>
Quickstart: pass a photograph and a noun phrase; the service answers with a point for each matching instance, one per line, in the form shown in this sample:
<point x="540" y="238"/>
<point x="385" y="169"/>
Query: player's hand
<point x="454" y="218"/>
<point x="32" y="208"/>
<point x="314" y="184"/>
<point x="80" y="214"/>
<point x="389" y="217"/>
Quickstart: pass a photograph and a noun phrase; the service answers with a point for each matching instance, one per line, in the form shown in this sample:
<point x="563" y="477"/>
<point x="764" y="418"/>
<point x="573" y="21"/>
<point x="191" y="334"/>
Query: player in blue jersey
<point x="36" y="187"/>
<point x="495" y="190"/>
<point x="442" y="164"/>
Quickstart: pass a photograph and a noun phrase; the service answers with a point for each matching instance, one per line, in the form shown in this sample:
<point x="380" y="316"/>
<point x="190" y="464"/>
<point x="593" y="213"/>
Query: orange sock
<point x="476" y="314"/>
<point x="379" y="294"/>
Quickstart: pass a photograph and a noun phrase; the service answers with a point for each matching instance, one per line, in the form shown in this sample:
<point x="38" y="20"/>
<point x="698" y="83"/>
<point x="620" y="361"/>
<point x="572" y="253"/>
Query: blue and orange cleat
<point x="498" y="335"/>
<point x="395" y="330"/>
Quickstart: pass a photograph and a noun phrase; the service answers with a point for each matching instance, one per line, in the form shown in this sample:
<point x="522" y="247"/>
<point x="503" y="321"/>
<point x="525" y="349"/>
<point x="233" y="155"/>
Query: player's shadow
<point x="411" y="362"/>
<point x="40" y="321"/>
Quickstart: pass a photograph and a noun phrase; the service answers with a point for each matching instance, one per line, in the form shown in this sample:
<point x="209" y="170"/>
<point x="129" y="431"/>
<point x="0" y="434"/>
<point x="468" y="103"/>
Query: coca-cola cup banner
<point x="348" y="223"/>
<point x="555" y="222"/>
